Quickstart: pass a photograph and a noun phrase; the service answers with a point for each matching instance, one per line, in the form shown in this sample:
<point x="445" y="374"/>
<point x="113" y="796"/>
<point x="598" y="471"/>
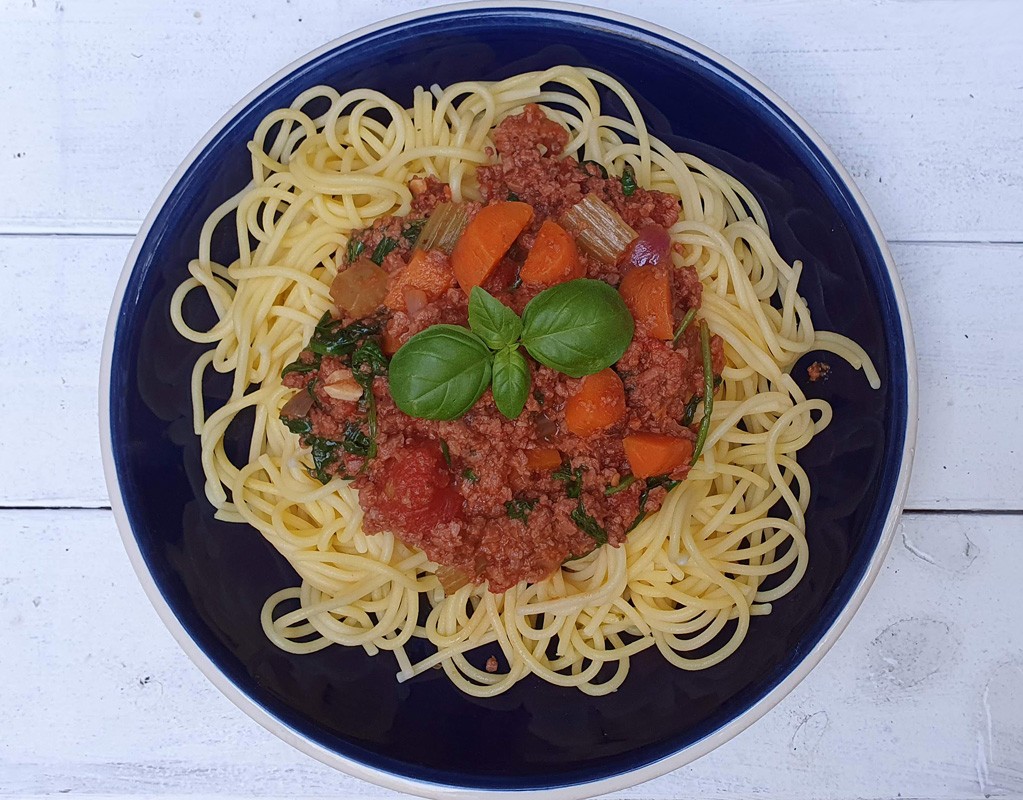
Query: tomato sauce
<point x="496" y="499"/>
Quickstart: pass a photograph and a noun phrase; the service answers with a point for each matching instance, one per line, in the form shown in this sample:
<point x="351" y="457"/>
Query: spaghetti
<point x="688" y="578"/>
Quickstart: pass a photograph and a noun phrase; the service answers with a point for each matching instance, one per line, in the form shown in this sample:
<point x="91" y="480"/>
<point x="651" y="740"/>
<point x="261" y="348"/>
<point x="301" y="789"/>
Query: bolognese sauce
<point x="493" y="497"/>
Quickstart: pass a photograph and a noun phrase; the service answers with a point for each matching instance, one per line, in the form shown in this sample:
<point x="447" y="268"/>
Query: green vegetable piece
<point x="411" y="231"/>
<point x="686" y="321"/>
<point x="469" y="475"/>
<point x="588" y="525"/>
<point x="299" y="425"/>
<point x="301" y="367"/>
<point x="492" y="320"/>
<point x="629" y="184"/>
<point x="708" y="392"/>
<point x="445" y="451"/>
<point x="325" y="454"/>
<point x="519" y="508"/>
<point x="331" y="338"/>
<point x="573" y="479"/>
<point x="355" y="248"/>
<point x="623" y="484"/>
<point x="440" y="373"/>
<point x="387" y="244"/>
<point x="511" y="382"/>
<point x="579" y="327"/>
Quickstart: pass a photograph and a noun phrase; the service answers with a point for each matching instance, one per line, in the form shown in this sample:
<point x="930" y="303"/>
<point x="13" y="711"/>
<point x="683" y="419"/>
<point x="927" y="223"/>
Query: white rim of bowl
<point x="578" y="790"/>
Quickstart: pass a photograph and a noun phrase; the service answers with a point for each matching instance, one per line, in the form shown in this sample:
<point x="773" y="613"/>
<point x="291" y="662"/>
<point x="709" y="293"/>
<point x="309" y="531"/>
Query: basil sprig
<point x="577" y="328"/>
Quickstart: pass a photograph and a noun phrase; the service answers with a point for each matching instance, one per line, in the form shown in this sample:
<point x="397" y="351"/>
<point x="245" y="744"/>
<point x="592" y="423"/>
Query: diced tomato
<point x="417" y="493"/>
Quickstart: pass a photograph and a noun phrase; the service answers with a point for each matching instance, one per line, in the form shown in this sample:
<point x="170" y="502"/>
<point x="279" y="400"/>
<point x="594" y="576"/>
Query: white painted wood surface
<point x="923" y="101"/>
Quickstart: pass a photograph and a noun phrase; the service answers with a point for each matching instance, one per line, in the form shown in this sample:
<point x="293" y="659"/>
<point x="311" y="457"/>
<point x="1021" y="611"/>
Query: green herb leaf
<point x="588" y="525"/>
<point x="368" y="362"/>
<point x="511" y="382"/>
<point x="579" y="327"/>
<point x="519" y="508"/>
<point x="354" y="441"/>
<point x="492" y="320"/>
<point x="469" y="475"/>
<point x="686" y="321"/>
<point x="655" y="482"/>
<point x="387" y="244"/>
<point x="573" y="478"/>
<point x="411" y="231"/>
<point x="440" y="373"/>
<point x="299" y="425"/>
<point x="689" y="414"/>
<point x="708" y="392"/>
<point x="325" y="455"/>
<point x="355" y="248"/>
<point x="331" y="338"/>
<point x="623" y="484"/>
<point x="628" y="179"/>
<point x="301" y="367"/>
<point x="445" y="451"/>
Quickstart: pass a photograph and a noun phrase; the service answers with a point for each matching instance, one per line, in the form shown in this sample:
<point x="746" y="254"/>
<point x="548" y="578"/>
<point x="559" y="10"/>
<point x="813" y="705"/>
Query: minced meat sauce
<point x="491" y="498"/>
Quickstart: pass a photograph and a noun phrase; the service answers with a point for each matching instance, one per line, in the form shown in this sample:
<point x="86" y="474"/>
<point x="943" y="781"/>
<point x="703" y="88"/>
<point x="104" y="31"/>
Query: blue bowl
<point x="208" y="580"/>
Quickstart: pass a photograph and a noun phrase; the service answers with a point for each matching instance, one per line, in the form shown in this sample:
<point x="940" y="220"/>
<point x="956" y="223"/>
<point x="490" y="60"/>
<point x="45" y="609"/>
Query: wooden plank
<point x="969" y="337"/>
<point x="919" y="698"/>
<point x="919" y="100"/>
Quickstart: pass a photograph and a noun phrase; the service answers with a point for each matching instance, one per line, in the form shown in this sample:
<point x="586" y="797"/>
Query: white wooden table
<point x="923" y="102"/>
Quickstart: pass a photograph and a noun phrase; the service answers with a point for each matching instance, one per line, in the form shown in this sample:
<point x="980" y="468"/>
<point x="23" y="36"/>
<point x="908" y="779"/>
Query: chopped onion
<point x="360" y="289"/>
<point x="598" y="229"/>
<point x="298" y="406"/>
<point x="451" y="578"/>
<point x="443" y="228"/>
<point x="415" y="300"/>
<point x="651" y="246"/>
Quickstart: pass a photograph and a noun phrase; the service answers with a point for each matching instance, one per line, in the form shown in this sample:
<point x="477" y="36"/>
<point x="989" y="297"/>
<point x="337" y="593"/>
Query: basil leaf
<point x="492" y="320"/>
<point x="578" y="328"/>
<point x="440" y="373"/>
<point x="511" y="382"/>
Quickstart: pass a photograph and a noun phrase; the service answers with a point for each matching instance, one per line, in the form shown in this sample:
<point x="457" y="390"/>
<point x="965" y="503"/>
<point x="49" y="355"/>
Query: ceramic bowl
<point x="208" y="580"/>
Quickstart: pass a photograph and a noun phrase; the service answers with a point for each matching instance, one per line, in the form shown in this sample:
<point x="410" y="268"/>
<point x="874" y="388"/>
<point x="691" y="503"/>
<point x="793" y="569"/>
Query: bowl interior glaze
<point x="215" y="576"/>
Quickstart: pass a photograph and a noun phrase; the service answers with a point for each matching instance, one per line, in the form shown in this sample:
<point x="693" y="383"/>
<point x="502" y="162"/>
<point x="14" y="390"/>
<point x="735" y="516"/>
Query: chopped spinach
<point x="355" y="441"/>
<point x="299" y="425"/>
<point x="411" y="231"/>
<point x="573" y="478"/>
<point x="520" y="508"/>
<point x="655" y="482"/>
<point x="690" y="411"/>
<point x="331" y="338"/>
<point x="588" y="525"/>
<point x="387" y="244"/>
<point x="302" y="367"/>
<point x="325" y="455"/>
<point x="623" y="484"/>
<point x="355" y="248"/>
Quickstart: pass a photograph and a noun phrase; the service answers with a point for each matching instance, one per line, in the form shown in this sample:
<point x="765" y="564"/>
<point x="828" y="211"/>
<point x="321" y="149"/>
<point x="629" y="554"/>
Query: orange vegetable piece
<point x="647" y="293"/>
<point x="429" y="272"/>
<point x="598" y="404"/>
<point x="652" y="454"/>
<point x="543" y="458"/>
<point x="554" y="257"/>
<point x="486" y="239"/>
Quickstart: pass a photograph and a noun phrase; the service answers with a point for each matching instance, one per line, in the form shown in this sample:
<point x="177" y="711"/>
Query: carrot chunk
<point x="652" y="454"/>
<point x="554" y="257"/>
<point x="486" y="239"/>
<point x="647" y="293"/>
<point x="543" y="458"/>
<point x="427" y="272"/>
<point x="598" y="404"/>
